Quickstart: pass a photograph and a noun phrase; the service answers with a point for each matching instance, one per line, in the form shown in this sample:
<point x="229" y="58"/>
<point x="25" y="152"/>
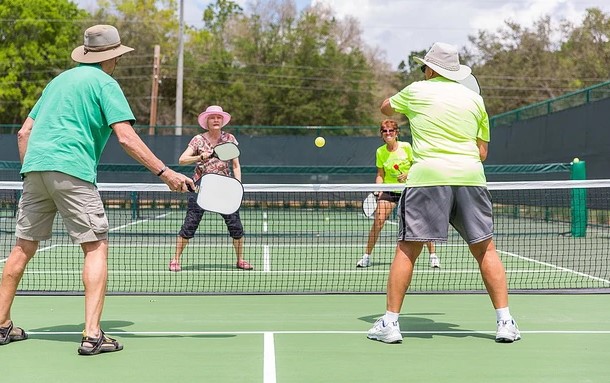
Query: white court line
<point x="212" y="245"/>
<point x="239" y="272"/>
<point x="269" y="374"/>
<point x="564" y="269"/>
<point x="137" y="222"/>
<point x="110" y="230"/>
<point x="266" y="252"/>
<point x="266" y="259"/>
<point x="299" y="332"/>
<point x="39" y="250"/>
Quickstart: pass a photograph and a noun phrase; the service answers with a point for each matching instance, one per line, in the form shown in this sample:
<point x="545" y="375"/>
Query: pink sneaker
<point x="174" y="266"/>
<point x="244" y="265"/>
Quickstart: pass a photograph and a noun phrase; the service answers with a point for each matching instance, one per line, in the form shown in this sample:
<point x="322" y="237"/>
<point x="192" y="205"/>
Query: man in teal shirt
<point x="446" y="185"/>
<point x="58" y="141"/>
<point x="60" y="144"/>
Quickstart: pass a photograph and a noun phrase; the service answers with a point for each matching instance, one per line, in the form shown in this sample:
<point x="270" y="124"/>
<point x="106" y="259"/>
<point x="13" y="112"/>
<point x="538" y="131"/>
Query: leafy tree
<point x="36" y="39"/>
<point x="280" y="68"/>
<point x="586" y="52"/>
<point x="273" y="65"/>
<point x="518" y="66"/>
<point x="142" y="25"/>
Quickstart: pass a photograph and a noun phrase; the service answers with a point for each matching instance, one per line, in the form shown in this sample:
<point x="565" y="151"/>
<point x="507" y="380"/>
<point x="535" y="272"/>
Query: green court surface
<point x="319" y="338"/>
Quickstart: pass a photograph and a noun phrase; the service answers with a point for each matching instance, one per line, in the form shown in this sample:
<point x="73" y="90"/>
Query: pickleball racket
<point x="471" y="83"/>
<point x="369" y="205"/>
<point x="220" y="194"/>
<point x="226" y="151"/>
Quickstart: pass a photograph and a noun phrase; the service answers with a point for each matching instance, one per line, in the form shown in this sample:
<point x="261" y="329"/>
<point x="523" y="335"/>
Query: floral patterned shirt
<point x="201" y="145"/>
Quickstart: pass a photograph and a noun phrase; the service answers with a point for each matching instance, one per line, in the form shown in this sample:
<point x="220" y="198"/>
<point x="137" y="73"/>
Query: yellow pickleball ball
<point x="576" y="160"/>
<point x="320" y="141"/>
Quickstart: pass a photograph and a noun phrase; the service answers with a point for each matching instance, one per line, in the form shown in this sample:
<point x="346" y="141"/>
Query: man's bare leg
<point x="20" y="255"/>
<point x="95" y="277"/>
<point x="401" y="273"/>
<point x="492" y="272"/>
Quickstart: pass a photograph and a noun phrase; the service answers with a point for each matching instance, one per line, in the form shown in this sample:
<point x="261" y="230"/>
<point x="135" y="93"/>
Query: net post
<point x="579" y="200"/>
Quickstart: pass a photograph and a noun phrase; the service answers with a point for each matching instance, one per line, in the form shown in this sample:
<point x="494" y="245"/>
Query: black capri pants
<point x="194" y="214"/>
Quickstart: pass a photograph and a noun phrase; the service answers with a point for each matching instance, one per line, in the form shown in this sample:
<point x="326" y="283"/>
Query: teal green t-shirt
<point x="394" y="163"/>
<point x="446" y="119"/>
<point x="72" y="121"/>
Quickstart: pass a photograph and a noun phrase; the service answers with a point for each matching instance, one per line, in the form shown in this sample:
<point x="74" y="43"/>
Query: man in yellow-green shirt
<point x="446" y="185"/>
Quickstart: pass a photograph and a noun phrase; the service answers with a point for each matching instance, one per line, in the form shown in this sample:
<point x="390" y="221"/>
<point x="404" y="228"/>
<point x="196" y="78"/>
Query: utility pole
<point x="179" y="75"/>
<point x="154" y="99"/>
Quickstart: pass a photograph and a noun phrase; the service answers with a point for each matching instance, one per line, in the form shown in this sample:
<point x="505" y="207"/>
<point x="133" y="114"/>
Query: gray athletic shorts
<point x="77" y="201"/>
<point x="426" y="212"/>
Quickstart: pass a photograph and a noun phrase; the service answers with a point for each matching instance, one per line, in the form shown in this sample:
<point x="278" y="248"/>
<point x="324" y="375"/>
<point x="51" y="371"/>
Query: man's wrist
<point x="163" y="169"/>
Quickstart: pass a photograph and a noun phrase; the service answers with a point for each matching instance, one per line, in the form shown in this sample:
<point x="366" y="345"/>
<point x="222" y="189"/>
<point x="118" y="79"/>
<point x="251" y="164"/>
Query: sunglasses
<point x="423" y="68"/>
<point x="388" y="131"/>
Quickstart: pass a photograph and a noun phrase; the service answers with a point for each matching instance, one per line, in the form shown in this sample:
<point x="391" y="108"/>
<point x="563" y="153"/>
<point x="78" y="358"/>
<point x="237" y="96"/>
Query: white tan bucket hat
<point x="102" y="42"/>
<point x="444" y="60"/>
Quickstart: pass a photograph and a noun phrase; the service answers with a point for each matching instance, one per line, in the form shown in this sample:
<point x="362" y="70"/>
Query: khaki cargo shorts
<point x="77" y="201"/>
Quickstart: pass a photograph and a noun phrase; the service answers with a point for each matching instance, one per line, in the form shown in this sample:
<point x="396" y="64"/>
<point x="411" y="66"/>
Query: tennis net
<point x="553" y="236"/>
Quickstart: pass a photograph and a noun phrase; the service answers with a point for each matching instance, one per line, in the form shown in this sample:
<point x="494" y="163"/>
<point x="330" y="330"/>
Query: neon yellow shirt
<point x="446" y="119"/>
<point x="394" y="163"/>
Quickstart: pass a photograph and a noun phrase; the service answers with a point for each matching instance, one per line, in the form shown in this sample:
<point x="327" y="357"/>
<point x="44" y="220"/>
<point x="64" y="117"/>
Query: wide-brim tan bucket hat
<point x="444" y="59"/>
<point x="102" y="42"/>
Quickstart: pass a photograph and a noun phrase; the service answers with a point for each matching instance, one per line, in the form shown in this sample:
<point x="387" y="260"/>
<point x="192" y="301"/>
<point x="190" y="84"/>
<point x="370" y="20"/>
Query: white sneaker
<point x="435" y="262"/>
<point x="365" y="261"/>
<point x="386" y="333"/>
<point x="507" y="331"/>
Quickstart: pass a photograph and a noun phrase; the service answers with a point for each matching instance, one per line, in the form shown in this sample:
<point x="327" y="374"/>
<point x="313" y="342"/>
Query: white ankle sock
<point x="503" y="314"/>
<point x="390" y="317"/>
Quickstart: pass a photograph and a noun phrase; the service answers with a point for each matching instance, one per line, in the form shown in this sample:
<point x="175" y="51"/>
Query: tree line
<point x="271" y="64"/>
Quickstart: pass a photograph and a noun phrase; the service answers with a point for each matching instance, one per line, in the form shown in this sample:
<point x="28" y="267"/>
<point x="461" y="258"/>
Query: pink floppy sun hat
<point x="211" y="110"/>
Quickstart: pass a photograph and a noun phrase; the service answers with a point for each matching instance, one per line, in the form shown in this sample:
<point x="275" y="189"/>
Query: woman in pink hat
<point x="200" y="151"/>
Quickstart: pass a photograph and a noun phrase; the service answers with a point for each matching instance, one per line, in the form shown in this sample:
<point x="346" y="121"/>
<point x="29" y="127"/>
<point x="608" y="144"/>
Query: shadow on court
<point x="419" y="325"/>
<point x="73" y="332"/>
<point x="385" y="264"/>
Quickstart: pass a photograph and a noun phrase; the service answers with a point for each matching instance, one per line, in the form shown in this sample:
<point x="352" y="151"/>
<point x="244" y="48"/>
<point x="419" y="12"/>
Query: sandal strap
<point x="96" y="342"/>
<point x="5" y="333"/>
<point x="108" y="339"/>
<point x="99" y="343"/>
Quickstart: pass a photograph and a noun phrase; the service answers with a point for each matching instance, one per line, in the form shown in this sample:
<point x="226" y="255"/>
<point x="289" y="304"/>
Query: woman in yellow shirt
<point x="393" y="161"/>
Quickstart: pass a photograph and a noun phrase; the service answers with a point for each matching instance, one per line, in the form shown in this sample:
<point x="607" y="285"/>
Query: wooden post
<point x="155" y="90"/>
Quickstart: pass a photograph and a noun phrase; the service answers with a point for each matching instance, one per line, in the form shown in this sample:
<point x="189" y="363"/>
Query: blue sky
<point x="394" y="28"/>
